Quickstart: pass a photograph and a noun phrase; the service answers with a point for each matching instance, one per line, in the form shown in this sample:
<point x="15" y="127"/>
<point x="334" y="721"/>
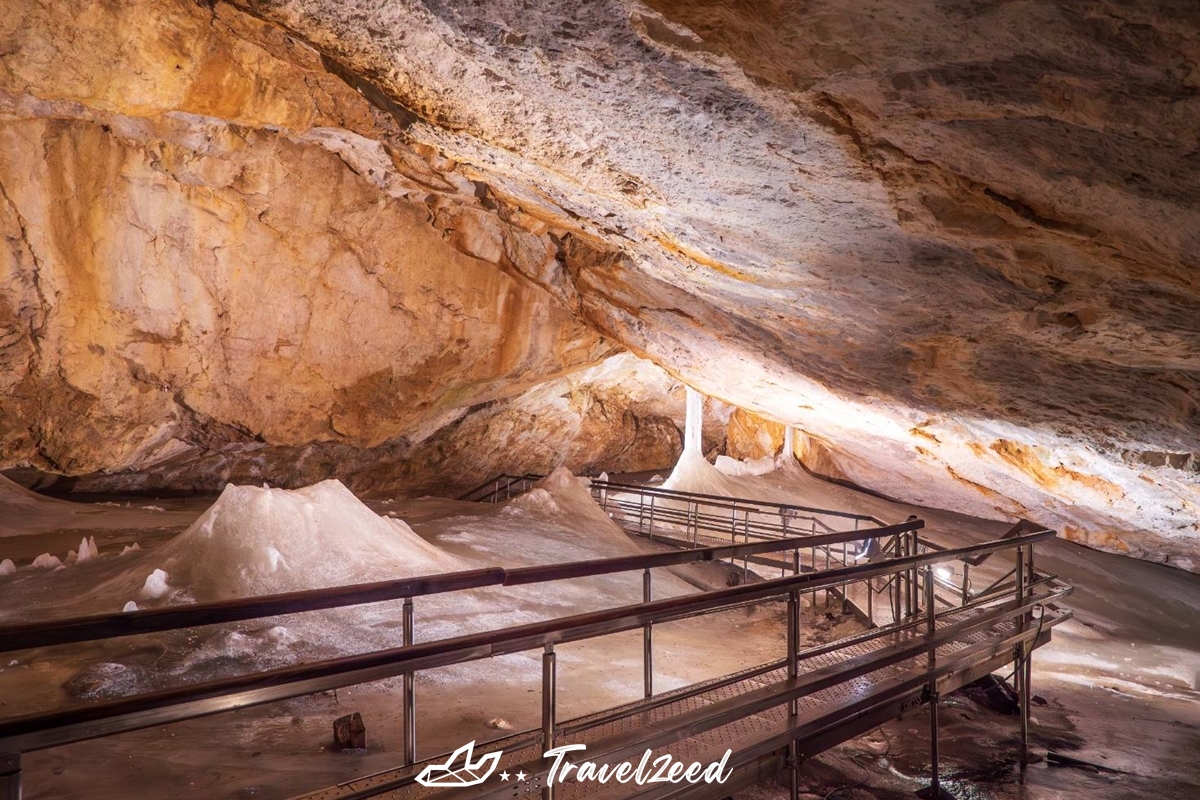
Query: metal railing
<point x="690" y="519"/>
<point x="501" y="488"/>
<point x="55" y="728"/>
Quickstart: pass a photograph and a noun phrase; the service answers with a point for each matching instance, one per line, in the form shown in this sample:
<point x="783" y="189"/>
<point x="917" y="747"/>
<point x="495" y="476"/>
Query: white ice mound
<point x="752" y="467"/>
<point x="562" y="495"/>
<point x="693" y="473"/>
<point x="256" y="541"/>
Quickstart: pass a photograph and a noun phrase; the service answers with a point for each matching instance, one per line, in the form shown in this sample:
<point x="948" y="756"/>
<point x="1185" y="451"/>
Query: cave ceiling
<point x="954" y="243"/>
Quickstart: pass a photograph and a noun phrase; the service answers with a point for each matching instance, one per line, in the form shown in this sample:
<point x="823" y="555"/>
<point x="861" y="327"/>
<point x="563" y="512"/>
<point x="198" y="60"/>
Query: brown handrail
<point x="716" y="498"/>
<point x="105" y="626"/>
<point x="39" y="731"/>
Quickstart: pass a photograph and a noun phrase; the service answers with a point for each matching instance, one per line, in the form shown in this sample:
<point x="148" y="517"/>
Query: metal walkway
<point x="767" y="717"/>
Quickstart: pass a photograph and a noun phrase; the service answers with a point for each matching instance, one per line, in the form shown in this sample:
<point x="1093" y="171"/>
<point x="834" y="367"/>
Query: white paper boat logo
<point x="468" y="773"/>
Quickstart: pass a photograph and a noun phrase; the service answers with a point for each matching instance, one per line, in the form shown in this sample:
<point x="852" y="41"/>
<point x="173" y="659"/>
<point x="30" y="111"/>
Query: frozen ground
<point x="257" y="540"/>
<point x="1120" y="680"/>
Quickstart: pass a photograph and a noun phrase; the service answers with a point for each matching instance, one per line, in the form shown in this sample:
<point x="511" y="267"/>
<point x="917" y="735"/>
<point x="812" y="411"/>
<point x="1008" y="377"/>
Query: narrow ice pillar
<point x="789" y="443"/>
<point x="693" y="438"/>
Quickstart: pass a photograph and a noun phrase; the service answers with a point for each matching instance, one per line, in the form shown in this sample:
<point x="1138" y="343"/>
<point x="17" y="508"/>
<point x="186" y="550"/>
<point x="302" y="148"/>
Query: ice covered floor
<point x="1120" y="680"/>
<point x="255" y="540"/>
<point x="1123" y="674"/>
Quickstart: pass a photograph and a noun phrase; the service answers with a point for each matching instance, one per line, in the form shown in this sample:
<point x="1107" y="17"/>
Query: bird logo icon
<point x="468" y="772"/>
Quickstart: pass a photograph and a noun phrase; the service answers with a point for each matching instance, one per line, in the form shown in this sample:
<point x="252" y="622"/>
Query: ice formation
<point x="564" y="496"/>
<point x="7" y="567"/>
<point x="156" y="585"/>
<point x="47" y="561"/>
<point x="88" y="549"/>
<point x="693" y="438"/>
<point x="255" y="541"/>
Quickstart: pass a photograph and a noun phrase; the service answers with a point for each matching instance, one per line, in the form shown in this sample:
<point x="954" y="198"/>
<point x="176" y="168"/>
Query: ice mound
<point x="693" y="473"/>
<point x="7" y="567"/>
<point x="256" y="541"/>
<point x="752" y="467"/>
<point x="47" y="561"/>
<point x="560" y="494"/>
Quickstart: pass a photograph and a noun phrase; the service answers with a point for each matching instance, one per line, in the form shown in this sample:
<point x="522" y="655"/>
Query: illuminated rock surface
<point x="957" y="248"/>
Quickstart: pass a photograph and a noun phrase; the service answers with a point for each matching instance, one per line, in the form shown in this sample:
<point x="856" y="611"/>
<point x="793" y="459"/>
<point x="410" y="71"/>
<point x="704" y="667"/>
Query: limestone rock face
<point x="623" y="415"/>
<point x="213" y="241"/>
<point x="955" y="243"/>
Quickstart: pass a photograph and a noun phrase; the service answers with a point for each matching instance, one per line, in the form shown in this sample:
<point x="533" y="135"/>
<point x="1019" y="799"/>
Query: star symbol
<point x="503" y="776"/>
<point x="521" y="776"/>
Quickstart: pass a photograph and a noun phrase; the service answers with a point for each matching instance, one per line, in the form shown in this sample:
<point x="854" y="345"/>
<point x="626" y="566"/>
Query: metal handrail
<point x="104" y="626"/>
<point x="683" y="495"/>
<point x="500" y="482"/>
<point x="49" y="729"/>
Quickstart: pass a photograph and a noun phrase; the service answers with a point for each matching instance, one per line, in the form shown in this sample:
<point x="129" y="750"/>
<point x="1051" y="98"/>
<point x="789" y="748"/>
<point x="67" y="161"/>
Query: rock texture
<point x="216" y="242"/>
<point x="955" y="243"/>
<point x="623" y="415"/>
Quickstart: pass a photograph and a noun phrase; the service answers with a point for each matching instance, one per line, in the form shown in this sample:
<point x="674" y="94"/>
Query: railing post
<point x="896" y="581"/>
<point x="693" y="514"/>
<point x="827" y="570"/>
<point x="10" y="777"/>
<point x="966" y="590"/>
<point x="914" y="548"/>
<point x="812" y="554"/>
<point x="793" y="645"/>
<point x="931" y="659"/>
<point x="650" y="530"/>
<point x="549" y="702"/>
<point x="1021" y="673"/>
<point x="409" y="696"/>
<point x="793" y="758"/>
<point x="647" y="642"/>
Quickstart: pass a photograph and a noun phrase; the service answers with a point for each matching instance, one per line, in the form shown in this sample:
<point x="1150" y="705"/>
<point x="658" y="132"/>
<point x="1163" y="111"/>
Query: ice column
<point x="692" y="434"/>
<point x="789" y="443"/>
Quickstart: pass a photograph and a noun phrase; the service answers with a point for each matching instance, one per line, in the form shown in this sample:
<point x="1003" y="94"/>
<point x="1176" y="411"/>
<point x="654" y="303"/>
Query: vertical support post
<point x="793" y="645"/>
<point x="10" y="777"/>
<point x="1021" y="673"/>
<point x="966" y="587"/>
<point x="812" y="553"/>
<point x="647" y="642"/>
<point x="931" y="658"/>
<point x="914" y="586"/>
<point x="794" y="768"/>
<point x="897" y="581"/>
<point x="746" y="559"/>
<point x="409" y="696"/>
<point x="870" y="602"/>
<point x="827" y="569"/>
<point x="650" y="530"/>
<point x="549" y="706"/>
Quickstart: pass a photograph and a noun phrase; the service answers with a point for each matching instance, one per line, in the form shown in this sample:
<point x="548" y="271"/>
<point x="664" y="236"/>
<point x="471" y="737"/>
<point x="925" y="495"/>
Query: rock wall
<point x="954" y="243"/>
<point x="214" y="242"/>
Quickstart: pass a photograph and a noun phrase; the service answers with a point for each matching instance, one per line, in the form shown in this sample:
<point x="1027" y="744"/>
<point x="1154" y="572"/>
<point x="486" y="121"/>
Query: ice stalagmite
<point x="693" y="438"/>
